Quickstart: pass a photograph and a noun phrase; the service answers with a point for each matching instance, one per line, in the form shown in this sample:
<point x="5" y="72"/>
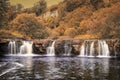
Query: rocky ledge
<point x="70" y="46"/>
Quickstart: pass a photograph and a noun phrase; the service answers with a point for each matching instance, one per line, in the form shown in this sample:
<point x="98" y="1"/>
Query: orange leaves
<point x="29" y="25"/>
<point x="71" y="18"/>
<point x="70" y="32"/>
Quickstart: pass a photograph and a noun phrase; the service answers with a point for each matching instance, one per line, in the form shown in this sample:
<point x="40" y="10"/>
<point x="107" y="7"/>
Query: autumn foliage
<point x="69" y="19"/>
<point x="29" y="25"/>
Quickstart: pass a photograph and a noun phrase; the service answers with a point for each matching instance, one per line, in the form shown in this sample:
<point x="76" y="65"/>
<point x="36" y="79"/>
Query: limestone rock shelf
<point x="71" y="46"/>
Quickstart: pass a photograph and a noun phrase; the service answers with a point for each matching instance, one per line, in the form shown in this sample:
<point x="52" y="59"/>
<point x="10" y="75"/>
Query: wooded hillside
<point x="79" y="19"/>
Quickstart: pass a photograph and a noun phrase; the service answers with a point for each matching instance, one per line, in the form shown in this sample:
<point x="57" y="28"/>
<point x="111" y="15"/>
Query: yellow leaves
<point x="16" y="33"/>
<point x="65" y="37"/>
<point x="29" y="25"/>
<point x="70" y="32"/>
<point x="86" y="37"/>
<point x="50" y="19"/>
<point x="10" y="33"/>
<point x="54" y="34"/>
<point x="4" y="31"/>
<point x="77" y="19"/>
<point x="22" y="17"/>
<point x="61" y="29"/>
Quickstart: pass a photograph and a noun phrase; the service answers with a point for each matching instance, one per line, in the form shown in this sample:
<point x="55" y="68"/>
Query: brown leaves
<point x="29" y="25"/>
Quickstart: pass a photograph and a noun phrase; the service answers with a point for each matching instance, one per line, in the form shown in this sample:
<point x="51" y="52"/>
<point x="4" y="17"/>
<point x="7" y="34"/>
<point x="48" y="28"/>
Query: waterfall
<point x="92" y="49"/>
<point x="67" y="49"/>
<point x="26" y="47"/>
<point x="12" y="46"/>
<point x="87" y="51"/>
<point x="82" y="51"/>
<point x="103" y="49"/>
<point x="106" y="49"/>
<point x="99" y="47"/>
<point x="51" y="49"/>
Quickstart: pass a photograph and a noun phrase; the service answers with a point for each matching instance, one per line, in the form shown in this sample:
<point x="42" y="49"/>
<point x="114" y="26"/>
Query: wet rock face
<point x="39" y="46"/>
<point x="73" y="47"/>
<point x="62" y="47"/>
<point x="59" y="47"/>
<point x="3" y="48"/>
<point x="76" y="46"/>
<point x="114" y="47"/>
<point x="117" y="47"/>
<point x="67" y="47"/>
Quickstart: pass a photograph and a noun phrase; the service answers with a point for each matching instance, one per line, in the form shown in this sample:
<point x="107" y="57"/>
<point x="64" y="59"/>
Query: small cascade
<point x="12" y="46"/>
<point x="82" y="51"/>
<point x="103" y="49"/>
<point x="87" y="49"/>
<point x="26" y="47"/>
<point x="92" y="49"/>
<point x="67" y="48"/>
<point x="51" y="49"/>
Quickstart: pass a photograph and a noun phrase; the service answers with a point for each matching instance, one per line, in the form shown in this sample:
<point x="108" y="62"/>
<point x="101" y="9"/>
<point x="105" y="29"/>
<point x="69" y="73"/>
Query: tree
<point x="4" y="6"/>
<point x="103" y="22"/>
<point x="14" y="10"/>
<point x="19" y="7"/>
<point x="29" y="25"/>
<point x="97" y="3"/>
<point x="113" y="25"/>
<point x="71" y="32"/>
<point x="28" y="10"/>
<point x="39" y="7"/>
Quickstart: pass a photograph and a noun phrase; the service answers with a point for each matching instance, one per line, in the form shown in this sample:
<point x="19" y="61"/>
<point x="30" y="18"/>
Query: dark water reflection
<point x="59" y="68"/>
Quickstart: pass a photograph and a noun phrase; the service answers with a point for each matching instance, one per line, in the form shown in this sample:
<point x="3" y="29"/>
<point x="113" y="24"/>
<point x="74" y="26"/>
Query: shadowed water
<point x="59" y="68"/>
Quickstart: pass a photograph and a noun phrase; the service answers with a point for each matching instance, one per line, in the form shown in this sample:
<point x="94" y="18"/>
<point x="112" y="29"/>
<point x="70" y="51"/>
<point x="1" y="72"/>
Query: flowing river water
<point x="58" y="68"/>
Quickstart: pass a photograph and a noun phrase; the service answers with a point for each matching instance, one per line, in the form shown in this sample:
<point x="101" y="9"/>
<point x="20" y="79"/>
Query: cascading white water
<point x="12" y="46"/>
<point x="67" y="49"/>
<point x="26" y="47"/>
<point x="103" y="49"/>
<point x="88" y="51"/>
<point x="51" y="49"/>
<point x="99" y="48"/>
<point x="92" y="49"/>
<point x="106" y="49"/>
<point x="82" y="51"/>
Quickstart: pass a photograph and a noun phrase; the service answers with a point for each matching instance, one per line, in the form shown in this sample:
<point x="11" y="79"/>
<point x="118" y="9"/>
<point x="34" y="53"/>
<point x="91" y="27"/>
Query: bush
<point x="29" y="25"/>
